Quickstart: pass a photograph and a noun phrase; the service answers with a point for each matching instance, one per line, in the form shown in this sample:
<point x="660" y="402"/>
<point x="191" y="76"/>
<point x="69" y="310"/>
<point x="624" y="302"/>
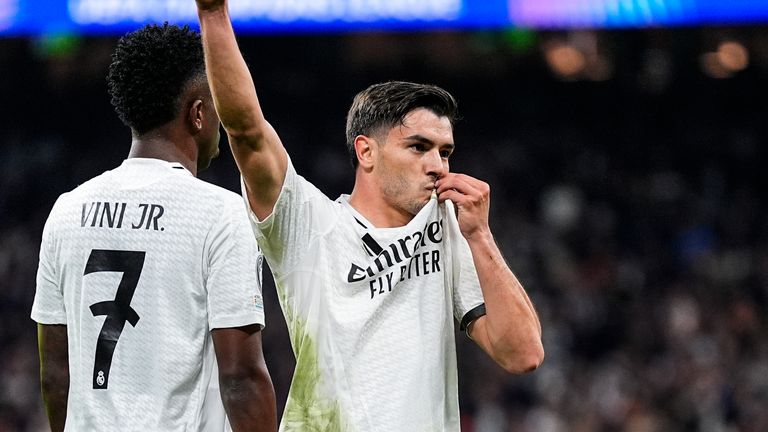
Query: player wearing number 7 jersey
<point x="149" y="277"/>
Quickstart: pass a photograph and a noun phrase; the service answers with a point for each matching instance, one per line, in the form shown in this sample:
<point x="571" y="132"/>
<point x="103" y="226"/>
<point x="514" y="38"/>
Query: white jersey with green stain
<point x="370" y="312"/>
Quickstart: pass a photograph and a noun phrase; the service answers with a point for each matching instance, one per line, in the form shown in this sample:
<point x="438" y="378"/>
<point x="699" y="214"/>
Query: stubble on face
<point x="400" y="191"/>
<point x="396" y="191"/>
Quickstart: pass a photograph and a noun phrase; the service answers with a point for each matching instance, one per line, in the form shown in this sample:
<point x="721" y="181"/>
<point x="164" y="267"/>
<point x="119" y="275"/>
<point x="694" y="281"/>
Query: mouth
<point x="431" y="190"/>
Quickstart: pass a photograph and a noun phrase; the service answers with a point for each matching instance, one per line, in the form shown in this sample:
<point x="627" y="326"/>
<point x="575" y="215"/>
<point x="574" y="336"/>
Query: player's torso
<point x="377" y="319"/>
<point x="131" y="260"/>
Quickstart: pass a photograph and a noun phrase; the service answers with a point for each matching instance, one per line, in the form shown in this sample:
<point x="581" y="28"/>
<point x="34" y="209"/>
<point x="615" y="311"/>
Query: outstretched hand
<point x="210" y="4"/>
<point x="472" y="198"/>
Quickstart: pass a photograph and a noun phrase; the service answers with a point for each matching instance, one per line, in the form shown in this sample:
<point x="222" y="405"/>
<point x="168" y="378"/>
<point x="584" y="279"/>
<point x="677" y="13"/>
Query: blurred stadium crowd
<point x="628" y="194"/>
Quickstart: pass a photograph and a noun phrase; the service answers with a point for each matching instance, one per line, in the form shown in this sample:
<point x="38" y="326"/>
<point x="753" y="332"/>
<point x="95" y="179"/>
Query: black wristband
<point x="472" y="315"/>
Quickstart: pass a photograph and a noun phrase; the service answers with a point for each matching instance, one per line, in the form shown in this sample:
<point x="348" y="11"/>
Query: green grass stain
<point x="305" y="409"/>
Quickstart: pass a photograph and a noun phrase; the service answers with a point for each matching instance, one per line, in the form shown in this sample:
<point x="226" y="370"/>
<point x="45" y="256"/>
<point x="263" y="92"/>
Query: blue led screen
<point x="31" y="17"/>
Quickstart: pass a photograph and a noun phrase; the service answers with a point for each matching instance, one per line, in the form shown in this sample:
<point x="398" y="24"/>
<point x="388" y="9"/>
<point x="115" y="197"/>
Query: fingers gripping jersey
<point x="370" y="312"/>
<point x="141" y="263"/>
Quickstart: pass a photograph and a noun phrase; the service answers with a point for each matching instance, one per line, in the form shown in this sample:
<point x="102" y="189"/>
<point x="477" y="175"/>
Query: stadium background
<point x="628" y="194"/>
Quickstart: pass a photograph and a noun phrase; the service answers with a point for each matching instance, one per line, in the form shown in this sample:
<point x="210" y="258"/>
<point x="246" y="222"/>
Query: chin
<point x="415" y="207"/>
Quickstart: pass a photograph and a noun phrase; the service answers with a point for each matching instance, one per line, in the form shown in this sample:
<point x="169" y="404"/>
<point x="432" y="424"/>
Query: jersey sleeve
<point x="234" y="265"/>
<point x="301" y="214"/>
<point x="468" y="302"/>
<point x="48" y="306"/>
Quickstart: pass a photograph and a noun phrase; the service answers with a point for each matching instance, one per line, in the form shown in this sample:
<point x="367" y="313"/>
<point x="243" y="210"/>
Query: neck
<point x="369" y="202"/>
<point x="158" y="145"/>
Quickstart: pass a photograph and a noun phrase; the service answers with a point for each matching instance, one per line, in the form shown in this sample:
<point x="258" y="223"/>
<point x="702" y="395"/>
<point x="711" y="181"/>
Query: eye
<point x="446" y="154"/>
<point x="418" y="147"/>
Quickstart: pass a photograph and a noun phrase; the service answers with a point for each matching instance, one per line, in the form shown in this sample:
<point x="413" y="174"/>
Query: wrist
<point x="481" y="236"/>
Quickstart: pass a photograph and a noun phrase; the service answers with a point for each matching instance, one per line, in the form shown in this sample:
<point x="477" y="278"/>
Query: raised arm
<point x="259" y="154"/>
<point x="510" y="331"/>
<point x="54" y="372"/>
<point x="246" y="388"/>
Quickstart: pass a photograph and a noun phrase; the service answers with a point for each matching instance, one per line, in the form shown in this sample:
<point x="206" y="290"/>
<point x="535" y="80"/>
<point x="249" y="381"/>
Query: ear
<point x="196" y="116"/>
<point x="365" y="149"/>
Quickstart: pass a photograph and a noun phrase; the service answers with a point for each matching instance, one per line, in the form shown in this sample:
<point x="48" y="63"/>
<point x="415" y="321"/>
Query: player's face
<point x="413" y="156"/>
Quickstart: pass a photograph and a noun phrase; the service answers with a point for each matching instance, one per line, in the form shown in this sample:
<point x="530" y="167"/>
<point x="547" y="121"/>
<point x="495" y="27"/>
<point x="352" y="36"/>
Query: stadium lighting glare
<point x="578" y="57"/>
<point x="733" y="56"/>
<point x="565" y="60"/>
<point x="729" y="58"/>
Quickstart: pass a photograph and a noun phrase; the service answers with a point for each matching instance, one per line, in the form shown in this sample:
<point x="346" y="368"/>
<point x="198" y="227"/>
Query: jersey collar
<point x="151" y="162"/>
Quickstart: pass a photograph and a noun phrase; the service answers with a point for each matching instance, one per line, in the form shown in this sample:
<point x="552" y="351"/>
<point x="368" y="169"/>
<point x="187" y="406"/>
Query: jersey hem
<point x="238" y="321"/>
<point x="47" y="319"/>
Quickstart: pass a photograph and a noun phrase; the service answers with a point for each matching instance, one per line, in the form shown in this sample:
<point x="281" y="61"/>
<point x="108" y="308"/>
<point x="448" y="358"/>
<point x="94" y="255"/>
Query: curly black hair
<point x="386" y="104"/>
<point x="150" y="69"/>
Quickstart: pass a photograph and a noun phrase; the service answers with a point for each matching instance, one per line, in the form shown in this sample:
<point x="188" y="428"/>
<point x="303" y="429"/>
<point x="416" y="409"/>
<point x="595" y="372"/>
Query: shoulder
<point x="223" y="205"/>
<point x="214" y="192"/>
<point x="300" y="198"/>
<point x="86" y="187"/>
<point x="74" y="195"/>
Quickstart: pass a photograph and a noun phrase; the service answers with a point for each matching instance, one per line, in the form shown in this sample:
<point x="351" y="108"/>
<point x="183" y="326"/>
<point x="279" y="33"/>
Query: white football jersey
<point x="370" y="312"/>
<point x="141" y="263"/>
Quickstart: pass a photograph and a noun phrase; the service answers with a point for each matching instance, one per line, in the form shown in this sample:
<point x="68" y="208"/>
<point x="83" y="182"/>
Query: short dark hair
<point x="150" y="69"/>
<point x="384" y="105"/>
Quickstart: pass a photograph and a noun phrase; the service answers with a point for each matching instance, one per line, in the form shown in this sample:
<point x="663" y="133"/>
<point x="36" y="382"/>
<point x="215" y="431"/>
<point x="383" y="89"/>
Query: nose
<point x="434" y="164"/>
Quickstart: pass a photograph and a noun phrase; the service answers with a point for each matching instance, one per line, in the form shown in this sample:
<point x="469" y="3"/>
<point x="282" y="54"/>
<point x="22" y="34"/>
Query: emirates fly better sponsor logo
<point x="402" y="259"/>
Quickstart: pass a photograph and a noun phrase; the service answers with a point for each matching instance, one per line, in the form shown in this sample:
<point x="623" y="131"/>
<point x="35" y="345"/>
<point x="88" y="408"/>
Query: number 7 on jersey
<point x="119" y="310"/>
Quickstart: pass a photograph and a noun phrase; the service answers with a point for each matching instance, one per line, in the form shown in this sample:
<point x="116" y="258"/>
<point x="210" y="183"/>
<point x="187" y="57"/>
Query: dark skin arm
<point x="54" y="372"/>
<point x="246" y="387"/>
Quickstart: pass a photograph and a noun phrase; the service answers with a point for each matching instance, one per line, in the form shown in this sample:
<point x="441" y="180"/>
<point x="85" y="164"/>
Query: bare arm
<point x="259" y="154"/>
<point x="54" y="372"/>
<point x="510" y="331"/>
<point x="246" y="387"/>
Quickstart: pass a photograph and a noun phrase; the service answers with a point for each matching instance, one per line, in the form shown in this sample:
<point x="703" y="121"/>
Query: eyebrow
<point x="425" y="140"/>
